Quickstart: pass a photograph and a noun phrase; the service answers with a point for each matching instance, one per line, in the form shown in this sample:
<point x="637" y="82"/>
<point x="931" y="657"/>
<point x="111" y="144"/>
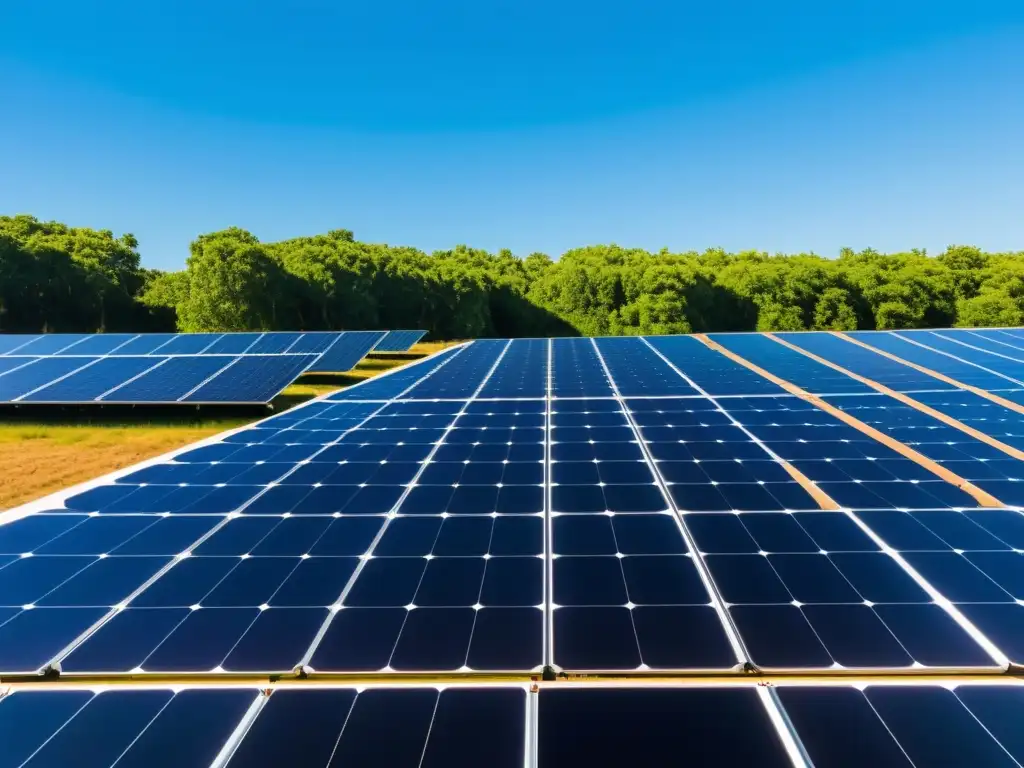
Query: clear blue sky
<point x="527" y="124"/>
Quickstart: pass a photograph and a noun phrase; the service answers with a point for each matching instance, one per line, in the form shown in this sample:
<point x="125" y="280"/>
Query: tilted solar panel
<point x="398" y="341"/>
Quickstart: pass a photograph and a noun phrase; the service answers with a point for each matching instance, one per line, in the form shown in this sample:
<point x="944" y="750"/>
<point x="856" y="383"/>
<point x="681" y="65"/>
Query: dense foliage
<point x="59" y="278"/>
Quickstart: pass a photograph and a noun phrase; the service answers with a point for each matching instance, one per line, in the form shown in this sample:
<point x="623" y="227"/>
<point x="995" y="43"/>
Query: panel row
<point x="832" y="725"/>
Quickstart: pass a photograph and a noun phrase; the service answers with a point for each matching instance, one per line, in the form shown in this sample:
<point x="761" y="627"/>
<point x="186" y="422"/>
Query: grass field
<point x="44" y="451"/>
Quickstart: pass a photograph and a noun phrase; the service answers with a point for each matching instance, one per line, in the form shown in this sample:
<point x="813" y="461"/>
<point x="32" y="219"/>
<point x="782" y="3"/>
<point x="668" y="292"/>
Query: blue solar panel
<point x="92" y="381"/>
<point x="347" y="351"/>
<point x="128" y="728"/>
<point x="172" y="380"/>
<point x="252" y="379"/>
<point x="100" y="344"/>
<point x="924" y="349"/>
<point x="273" y="343"/>
<point x="13" y="342"/>
<point x="791" y="365"/>
<point x="896" y="376"/>
<point x="966" y="351"/>
<point x="18" y="382"/>
<point x="51" y="344"/>
<point x="398" y="341"/>
<point x="905" y="726"/>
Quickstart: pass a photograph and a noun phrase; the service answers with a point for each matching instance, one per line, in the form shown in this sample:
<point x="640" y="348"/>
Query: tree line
<point x="64" y="279"/>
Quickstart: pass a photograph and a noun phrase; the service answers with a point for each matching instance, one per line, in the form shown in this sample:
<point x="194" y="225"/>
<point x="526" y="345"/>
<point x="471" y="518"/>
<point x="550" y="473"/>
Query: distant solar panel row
<point x="167" y="368"/>
<point x="837" y="726"/>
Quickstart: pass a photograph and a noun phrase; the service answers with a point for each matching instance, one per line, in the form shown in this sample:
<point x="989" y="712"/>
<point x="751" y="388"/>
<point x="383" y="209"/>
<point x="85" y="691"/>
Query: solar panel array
<point x="196" y="368"/>
<point x="551" y="551"/>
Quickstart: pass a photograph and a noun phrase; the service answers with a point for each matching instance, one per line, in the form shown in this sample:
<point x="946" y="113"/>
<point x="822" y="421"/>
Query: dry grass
<point x="54" y="451"/>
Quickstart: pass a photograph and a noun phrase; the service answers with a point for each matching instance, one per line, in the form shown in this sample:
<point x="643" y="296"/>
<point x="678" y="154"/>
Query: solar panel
<point x="471" y="556"/>
<point x="346" y="351"/>
<point x="398" y="341"/>
<point x="834" y="725"/>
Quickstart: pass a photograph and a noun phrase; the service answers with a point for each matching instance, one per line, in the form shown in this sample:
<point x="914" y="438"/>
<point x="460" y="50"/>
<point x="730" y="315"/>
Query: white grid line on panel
<point x="397" y="505"/>
<point x="715" y="597"/>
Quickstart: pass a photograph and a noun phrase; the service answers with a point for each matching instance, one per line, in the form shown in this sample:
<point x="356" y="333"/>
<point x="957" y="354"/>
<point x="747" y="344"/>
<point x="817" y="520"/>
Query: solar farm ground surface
<point x="751" y="549"/>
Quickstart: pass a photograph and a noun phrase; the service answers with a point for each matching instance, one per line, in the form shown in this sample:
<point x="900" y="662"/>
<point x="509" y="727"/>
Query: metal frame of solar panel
<point x="482" y="525"/>
<point x="198" y="369"/>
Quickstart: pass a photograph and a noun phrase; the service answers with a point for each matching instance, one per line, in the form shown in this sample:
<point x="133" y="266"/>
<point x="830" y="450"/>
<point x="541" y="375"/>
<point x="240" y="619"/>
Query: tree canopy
<point x="59" y="278"/>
